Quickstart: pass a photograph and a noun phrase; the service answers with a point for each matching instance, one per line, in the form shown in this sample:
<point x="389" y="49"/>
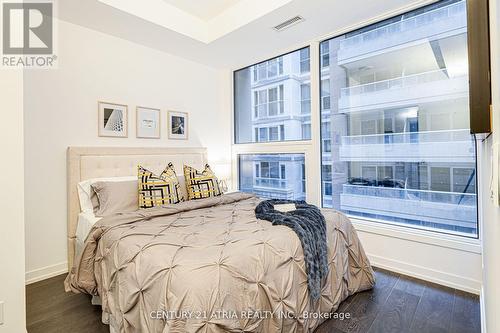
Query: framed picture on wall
<point x="177" y="125"/>
<point x="113" y="120"/>
<point x="147" y="123"/>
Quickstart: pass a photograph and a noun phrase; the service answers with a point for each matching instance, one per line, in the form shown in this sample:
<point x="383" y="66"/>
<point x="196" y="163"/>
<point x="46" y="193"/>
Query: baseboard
<point x="431" y="275"/>
<point x="46" y="272"/>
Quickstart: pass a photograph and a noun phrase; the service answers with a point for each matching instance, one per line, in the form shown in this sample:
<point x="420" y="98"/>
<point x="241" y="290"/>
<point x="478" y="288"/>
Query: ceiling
<point x="203" y="9"/>
<point x="221" y="16"/>
<point x="238" y="32"/>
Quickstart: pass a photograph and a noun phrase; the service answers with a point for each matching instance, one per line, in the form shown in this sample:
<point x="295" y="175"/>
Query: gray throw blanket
<point x="309" y="225"/>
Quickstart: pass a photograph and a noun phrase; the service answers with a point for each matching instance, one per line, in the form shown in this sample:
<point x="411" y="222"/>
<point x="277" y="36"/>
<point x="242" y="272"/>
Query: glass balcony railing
<point x="406" y="24"/>
<point x="274" y="183"/>
<point x="396" y="83"/>
<point x="462" y="199"/>
<point x="413" y="137"/>
<point x="279" y="194"/>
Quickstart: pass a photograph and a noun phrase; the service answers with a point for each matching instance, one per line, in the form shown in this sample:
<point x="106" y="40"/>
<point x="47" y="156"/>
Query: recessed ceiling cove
<point x="203" y="9"/>
<point x="202" y="20"/>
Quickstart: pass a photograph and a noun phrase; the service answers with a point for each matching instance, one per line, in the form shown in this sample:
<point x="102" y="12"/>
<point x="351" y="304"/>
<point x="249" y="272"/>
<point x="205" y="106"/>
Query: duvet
<point x="211" y="266"/>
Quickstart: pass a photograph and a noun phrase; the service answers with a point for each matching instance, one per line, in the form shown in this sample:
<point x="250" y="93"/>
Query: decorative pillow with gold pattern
<point x="202" y="184"/>
<point x="158" y="190"/>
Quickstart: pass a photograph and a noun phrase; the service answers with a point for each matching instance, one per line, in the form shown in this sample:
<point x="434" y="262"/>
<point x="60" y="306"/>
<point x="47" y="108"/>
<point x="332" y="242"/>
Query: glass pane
<point x="274" y="170"/>
<point x="282" y="176"/>
<point x="272" y="68"/>
<point x="305" y="91"/>
<point x="277" y="87"/>
<point x="305" y="98"/>
<point x="328" y="188"/>
<point x="325" y="87"/>
<point x="262" y="97"/>
<point x="273" y="134"/>
<point x="440" y="179"/>
<point x="304" y="54"/>
<point x="263" y="134"/>
<point x="273" y="108"/>
<point x="262" y="72"/>
<point x="306" y="131"/>
<point x="399" y="147"/>
<point x="325" y="48"/>
<point x="265" y="169"/>
<point x="304" y="66"/>
<point x="273" y="94"/>
<point x="464" y="180"/>
<point x="327" y="146"/>
<point x="325" y="60"/>
<point x="325" y="95"/>
<point x="326" y="128"/>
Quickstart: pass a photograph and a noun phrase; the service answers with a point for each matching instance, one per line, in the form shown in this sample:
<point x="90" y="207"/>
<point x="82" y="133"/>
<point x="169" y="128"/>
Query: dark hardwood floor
<point x="397" y="304"/>
<point x="402" y="304"/>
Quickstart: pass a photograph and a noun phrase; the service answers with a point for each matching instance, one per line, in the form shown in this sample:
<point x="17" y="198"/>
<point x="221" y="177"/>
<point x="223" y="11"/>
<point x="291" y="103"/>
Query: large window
<point x="272" y="99"/>
<point x="279" y="176"/>
<point x="398" y="94"/>
<point x="393" y="116"/>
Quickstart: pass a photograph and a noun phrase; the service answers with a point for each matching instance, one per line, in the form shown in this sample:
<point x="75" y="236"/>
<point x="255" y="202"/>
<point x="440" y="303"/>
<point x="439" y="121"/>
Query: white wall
<point x="61" y="111"/>
<point x="491" y="222"/>
<point x="441" y="259"/>
<point x="12" y="202"/>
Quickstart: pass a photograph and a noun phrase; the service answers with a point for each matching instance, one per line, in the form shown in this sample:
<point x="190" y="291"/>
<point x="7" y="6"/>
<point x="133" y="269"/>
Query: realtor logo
<point x="28" y="29"/>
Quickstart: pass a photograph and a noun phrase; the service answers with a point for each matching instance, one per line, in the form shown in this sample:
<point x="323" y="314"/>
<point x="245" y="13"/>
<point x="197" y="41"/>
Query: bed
<point x="204" y="265"/>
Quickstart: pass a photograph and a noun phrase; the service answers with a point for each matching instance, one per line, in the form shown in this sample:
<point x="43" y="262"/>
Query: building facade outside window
<point x="280" y="176"/>
<point x="273" y="104"/>
<point x="398" y="93"/>
<point x="394" y="122"/>
<point x="278" y="93"/>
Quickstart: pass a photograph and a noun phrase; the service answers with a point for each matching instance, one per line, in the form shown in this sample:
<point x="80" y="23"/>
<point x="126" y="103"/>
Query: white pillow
<point x="85" y="190"/>
<point x="182" y="185"/>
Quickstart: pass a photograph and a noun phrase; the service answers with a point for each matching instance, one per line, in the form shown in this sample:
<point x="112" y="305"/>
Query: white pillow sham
<point x="85" y="190"/>
<point x="182" y="185"/>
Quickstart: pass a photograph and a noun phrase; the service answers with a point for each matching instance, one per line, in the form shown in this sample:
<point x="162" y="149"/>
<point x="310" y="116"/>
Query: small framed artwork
<point x="113" y="120"/>
<point x="177" y="125"/>
<point x="147" y="123"/>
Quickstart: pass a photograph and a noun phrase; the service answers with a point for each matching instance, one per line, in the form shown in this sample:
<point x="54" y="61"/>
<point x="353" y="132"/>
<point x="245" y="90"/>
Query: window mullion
<point x="313" y="158"/>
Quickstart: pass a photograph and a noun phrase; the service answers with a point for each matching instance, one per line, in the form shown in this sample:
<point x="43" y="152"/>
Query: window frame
<point x="312" y="149"/>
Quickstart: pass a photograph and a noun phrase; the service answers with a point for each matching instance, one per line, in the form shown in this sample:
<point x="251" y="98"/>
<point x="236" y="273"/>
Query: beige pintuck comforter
<point x="210" y="266"/>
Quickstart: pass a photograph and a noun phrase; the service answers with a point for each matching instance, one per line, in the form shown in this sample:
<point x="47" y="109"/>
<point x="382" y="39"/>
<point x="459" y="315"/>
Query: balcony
<point x="403" y="91"/>
<point x="273" y="188"/>
<point x="432" y="146"/>
<point x="272" y="183"/>
<point x="449" y="210"/>
<point x="438" y="23"/>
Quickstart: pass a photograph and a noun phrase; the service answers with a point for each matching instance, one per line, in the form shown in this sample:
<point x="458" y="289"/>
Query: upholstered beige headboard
<point x="96" y="162"/>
